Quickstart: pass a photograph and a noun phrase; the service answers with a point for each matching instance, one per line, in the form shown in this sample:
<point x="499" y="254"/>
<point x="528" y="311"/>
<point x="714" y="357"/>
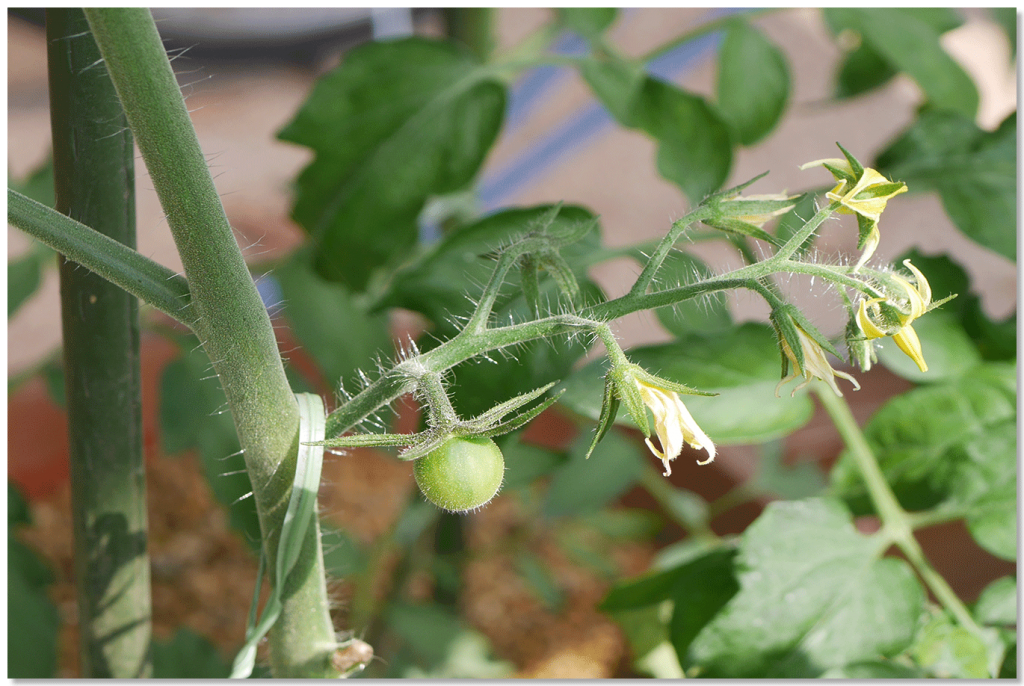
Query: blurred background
<point x="246" y="72"/>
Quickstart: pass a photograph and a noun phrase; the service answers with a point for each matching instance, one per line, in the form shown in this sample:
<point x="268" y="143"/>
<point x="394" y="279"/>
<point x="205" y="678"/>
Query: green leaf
<point x="187" y="655"/>
<point x="540" y="580"/>
<point x="863" y="69"/>
<point x="973" y="171"/>
<point x="948" y="651"/>
<point x="343" y="557"/>
<point x="741" y="365"/>
<point x="427" y="628"/>
<point x="194" y="415"/>
<point x="694" y="141"/>
<point x="525" y="463"/>
<point x="582" y="486"/>
<point x="589" y="22"/>
<point x="703" y="315"/>
<point x="25" y="275"/>
<point x="753" y="82"/>
<point x="997" y="604"/>
<point x="38" y="185"/>
<point x="874" y="669"/>
<point x="435" y="283"/>
<point x="618" y="85"/>
<point x="397" y="123"/>
<point x="952" y="443"/>
<point x="333" y="326"/>
<point x="32" y="618"/>
<point x="813" y="595"/>
<point x="791" y="483"/>
<point x="909" y="42"/>
<point x="1006" y="17"/>
<point x="702" y="588"/>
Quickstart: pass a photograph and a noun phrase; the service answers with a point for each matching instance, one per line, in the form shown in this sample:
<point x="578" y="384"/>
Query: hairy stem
<point x="230" y="320"/>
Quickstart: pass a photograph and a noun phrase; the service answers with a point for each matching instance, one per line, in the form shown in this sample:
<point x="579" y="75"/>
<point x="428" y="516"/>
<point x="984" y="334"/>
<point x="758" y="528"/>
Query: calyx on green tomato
<point x="461" y="475"/>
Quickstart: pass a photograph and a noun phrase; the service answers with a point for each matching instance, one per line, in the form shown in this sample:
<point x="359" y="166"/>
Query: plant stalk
<point x="230" y="320"/>
<point x="94" y="182"/>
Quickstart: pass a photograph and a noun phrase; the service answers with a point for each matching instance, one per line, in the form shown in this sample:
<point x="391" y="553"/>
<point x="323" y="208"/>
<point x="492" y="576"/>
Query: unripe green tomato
<point x="461" y="475"/>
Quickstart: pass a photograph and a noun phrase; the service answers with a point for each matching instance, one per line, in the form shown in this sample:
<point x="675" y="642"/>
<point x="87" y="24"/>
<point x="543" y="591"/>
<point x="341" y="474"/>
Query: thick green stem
<point x="896" y="523"/>
<point x="94" y="182"/>
<point x="231" y="320"/>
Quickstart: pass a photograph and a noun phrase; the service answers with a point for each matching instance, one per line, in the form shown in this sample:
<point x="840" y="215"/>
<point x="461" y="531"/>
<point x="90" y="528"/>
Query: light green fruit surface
<point x="461" y="475"/>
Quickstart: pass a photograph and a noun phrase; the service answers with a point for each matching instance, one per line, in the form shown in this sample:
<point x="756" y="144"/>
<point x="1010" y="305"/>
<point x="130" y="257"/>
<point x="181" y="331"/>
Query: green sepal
<point x="785" y="329"/>
<point x="841" y="174"/>
<point x="865" y="227"/>
<point x="732" y="192"/>
<point x="627" y="391"/>
<point x="521" y="419"/>
<point x="811" y="330"/>
<point x="487" y="419"/>
<point x="879" y="191"/>
<point x="555" y="265"/>
<point x="367" y="440"/>
<point x="862" y="351"/>
<point x="528" y="269"/>
<point x="858" y="168"/>
<point x="742" y="228"/>
<point x="665" y="384"/>
<point x="609" y="408"/>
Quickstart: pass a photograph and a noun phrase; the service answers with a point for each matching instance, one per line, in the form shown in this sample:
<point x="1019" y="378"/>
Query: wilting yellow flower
<point x="815" y="365"/>
<point x="673" y="424"/>
<point x="919" y="298"/>
<point x="867" y="199"/>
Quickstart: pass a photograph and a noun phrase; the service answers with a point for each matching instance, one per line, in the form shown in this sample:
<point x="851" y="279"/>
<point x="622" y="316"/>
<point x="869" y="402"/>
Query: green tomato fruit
<point x="461" y="475"/>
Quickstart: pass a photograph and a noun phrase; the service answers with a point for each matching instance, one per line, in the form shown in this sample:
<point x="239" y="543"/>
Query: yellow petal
<point x="906" y="338"/>
<point x="924" y="289"/>
<point x="864" y="321"/>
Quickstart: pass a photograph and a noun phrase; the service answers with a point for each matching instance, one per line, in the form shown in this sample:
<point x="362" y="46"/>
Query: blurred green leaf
<point x="397" y="123"/>
<point x="1006" y="17"/>
<point x="694" y="141"/>
<point x="813" y="595"/>
<point x="909" y="42"/>
<point x="704" y="315"/>
<point x="947" y="349"/>
<point x="791" y="483"/>
<point x="32" y="618"/>
<point x="997" y="604"/>
<point x="525" y="463"/>
<point x="874" y="669"/>
<point x="25" y="274"/>
<point x="333" y="326"/>
<point x="38" y="185"/>
<point x="753" y="82"/>
<point x="948" y="651"/>
<point x="343" y="556"/>
<point x="194" y="415"/>
<point x="469" y="657"/>
<point x="187" y="655"/>
<point x="973" y="171"/>
<point x="588" y="21"/>
<point x="701" y="589"/>
<point x="864" y="68"/>
<point x="582" y="486"/>
<point x="540" y="579"/>
<point x="953" y="444"/>
<point x="741" y="364"/>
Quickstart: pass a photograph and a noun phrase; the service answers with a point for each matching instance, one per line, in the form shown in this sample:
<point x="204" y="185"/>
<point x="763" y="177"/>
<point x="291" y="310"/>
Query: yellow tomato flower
<point x="867" y="199"/>
<point x="919" y="298"/>
<point x="673" y="424"/>
<point x="815" y="365"/>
